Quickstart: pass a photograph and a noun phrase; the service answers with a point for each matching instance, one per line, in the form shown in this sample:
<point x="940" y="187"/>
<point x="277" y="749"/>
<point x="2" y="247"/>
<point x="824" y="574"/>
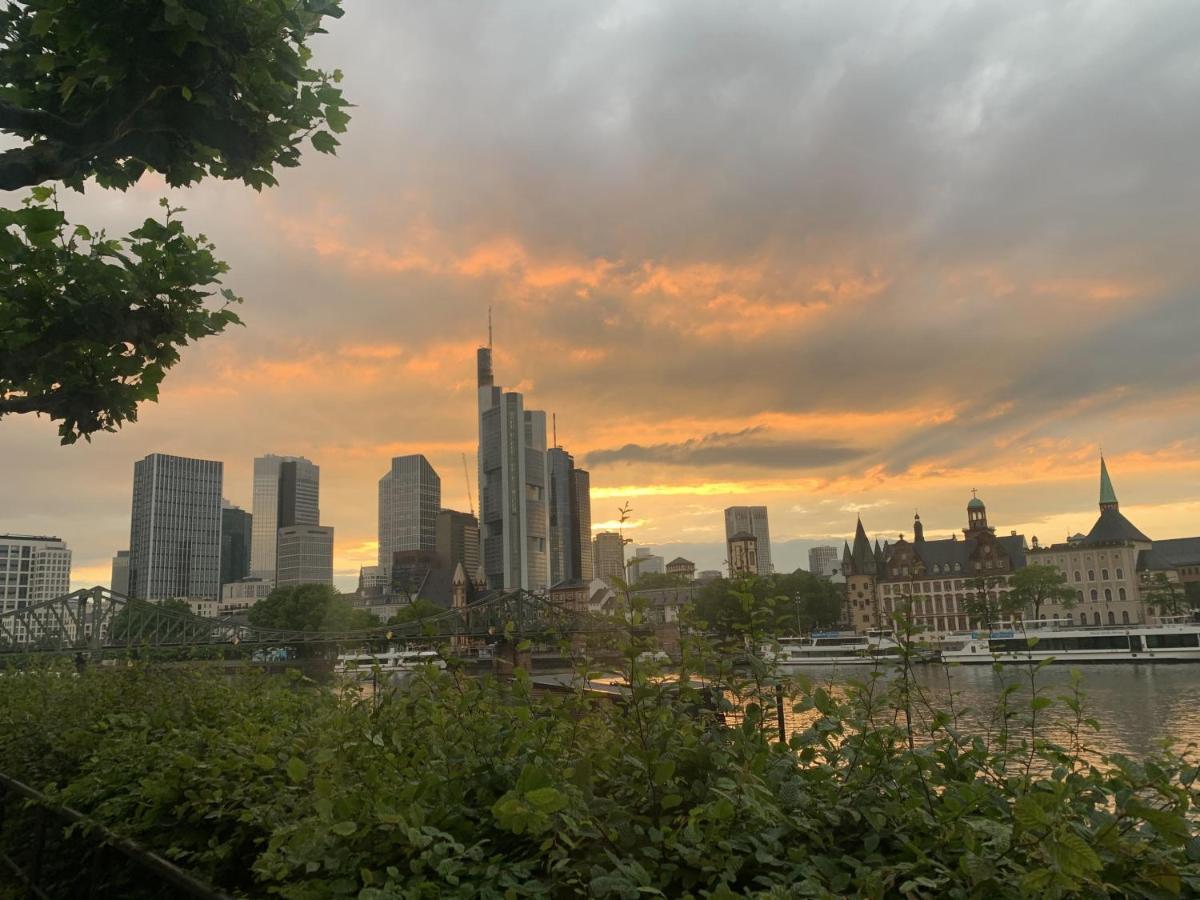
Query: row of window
<point x="1103" y="575"/>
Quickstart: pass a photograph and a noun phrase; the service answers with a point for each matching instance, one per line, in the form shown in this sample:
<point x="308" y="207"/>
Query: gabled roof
<point x="863" y="555"/>
<point x="680" y="561"/>
<point x="1113" y="528"/>
<point x="1170" y="554"/>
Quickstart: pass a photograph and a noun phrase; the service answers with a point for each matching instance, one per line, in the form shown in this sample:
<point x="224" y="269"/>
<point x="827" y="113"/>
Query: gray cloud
<point x="742" y="449"/>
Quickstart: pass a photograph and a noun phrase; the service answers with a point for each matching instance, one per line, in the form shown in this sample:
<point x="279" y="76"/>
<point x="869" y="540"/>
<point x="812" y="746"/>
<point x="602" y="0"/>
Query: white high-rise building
<point x="287" y="491"/>
<point x="514" y="480"/>
<point x="175" y="529"/>
<point x="410" y="495"/>
<point x="751" y="520"/>
<point x="32" y="568"/>
<point x="823" y="561"/>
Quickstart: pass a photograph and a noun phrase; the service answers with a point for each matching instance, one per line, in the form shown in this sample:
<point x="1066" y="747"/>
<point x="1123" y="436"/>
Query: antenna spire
<point x="489" y="327"/>
<point x="554" y="426"/>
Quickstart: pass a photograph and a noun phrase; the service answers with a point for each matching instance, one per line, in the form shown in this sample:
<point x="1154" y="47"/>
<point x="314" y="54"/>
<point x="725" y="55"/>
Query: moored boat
<point x="1169" y="641"/>
<point x="362" y="664"/>
<point x="834" y="648"/>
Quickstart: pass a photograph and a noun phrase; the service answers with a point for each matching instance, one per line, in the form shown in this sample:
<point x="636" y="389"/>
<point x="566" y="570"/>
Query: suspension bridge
<point x="96" y="620"/>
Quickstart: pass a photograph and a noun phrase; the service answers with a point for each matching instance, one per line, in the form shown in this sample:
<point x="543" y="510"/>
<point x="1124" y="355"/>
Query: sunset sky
<point x="835" y="258"/>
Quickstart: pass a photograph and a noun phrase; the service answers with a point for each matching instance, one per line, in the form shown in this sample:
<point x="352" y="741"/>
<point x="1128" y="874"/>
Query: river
<point x="1138" y="707"/>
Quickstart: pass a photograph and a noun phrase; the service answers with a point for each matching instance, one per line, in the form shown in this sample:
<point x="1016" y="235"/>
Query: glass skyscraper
<point x="410" y="495"/>
<point x="287" y="491"/>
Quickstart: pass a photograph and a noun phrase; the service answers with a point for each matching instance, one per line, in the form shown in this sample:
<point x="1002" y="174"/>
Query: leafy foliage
<point x="132" y="618"/>
<point x="308" y="607"/>
<point x="459" y="787"/>
<point x="1033" y="587"/>
<point x="89" y="325"/>
<point x="778" y="603"/>
<point x="108" y="91"/>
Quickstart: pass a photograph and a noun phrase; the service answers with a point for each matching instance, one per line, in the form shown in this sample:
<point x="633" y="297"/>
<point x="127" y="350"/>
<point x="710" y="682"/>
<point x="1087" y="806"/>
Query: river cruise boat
<point x="1167" y="642"/>
<point x="834" y="648"/>
<point x="361" y="664"/>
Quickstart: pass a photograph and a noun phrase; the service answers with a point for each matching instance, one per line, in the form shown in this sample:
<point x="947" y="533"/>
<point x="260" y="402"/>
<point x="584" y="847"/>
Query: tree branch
<point x="26" y="404"/>
<point x="21" y="119"/>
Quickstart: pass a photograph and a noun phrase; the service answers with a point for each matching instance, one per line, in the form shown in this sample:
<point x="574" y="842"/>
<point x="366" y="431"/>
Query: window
<point x="1095" y="596"/>
<point x="1096" y="618"/>
<point x="1120" y="574"/>
<point x="1077" y="577"/>
<point x="1112" y="619"/>
<point x="1080" y="593"/>
<point x="1124" y="617"/>
<point x="1108" y="596"/>
<point x="1104" y="574"/>
<point x="1091" y="574"/>
<point x="1121" y="594"/>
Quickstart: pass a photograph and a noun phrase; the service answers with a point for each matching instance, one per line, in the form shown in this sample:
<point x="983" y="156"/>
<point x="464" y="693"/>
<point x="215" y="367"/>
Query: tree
<point x="985" y="603"/>
<point x="1033" y="587"/>
<point x="650" y="580"/>
<point x="308" y="607"/>
<point x="416" y="611"/>
<point x="107" y="92"/>
<point x="1165" y="594"/>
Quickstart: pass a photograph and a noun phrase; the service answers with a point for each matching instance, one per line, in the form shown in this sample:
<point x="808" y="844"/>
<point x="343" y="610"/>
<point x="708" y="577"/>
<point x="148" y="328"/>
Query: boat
<point x="834" y="648"/>
<point x="362" y="664"/>
<point x="1060" y="642"/>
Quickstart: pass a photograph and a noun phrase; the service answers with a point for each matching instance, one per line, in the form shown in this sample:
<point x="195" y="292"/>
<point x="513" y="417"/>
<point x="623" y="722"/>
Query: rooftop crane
<point x="467" y="475"/>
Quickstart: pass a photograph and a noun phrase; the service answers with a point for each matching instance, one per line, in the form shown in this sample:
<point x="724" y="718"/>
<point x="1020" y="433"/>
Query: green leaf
<point x="297" y="770"/>
<point x="344" y="829"/>
<point x="324" y="142"/>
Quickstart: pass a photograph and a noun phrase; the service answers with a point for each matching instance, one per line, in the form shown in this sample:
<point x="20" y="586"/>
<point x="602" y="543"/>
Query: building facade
<point x="514" y="481"/>
<point x="823" y="561"/>
<point x="239" y="596"/>
<point x="118" y="582"/>
<point x="743" y="555"/>
<point x="682" y="568"/>
<point x="609" y="553"/>
<point x="175" y="528"/>
<point x="1112" y="568"/>
<point x="644" y="562"/>
<point x="305" y="555"/>
<point x="32" y="568"/>
<point x="581" y="523"/>
<point x="287" y="491"/>
<point x="570" y="519"/>
<point x="458" y="541"/>
<point x="236" y="543"/>
<point x="410" y="495"/>
<point x="751" y="520"/>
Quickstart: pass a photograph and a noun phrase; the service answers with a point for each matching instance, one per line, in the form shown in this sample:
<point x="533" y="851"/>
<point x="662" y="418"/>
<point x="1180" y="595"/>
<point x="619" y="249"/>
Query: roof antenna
<point x="489" y="327"/>
<point x="554" y="426"/>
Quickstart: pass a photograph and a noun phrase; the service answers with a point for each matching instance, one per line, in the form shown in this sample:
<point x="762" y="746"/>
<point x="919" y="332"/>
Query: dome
<point x="975" y="503"/>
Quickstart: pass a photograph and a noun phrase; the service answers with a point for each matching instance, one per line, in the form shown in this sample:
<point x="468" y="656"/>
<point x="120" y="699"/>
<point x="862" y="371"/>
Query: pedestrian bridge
<point x="96" y="619"/>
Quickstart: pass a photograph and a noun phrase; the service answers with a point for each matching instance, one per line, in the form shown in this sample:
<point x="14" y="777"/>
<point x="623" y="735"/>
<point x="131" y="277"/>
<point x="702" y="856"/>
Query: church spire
<point x="1108" y="497"/>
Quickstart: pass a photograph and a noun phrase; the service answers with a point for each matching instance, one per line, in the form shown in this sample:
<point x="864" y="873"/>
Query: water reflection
<point x="1138" y="707"/>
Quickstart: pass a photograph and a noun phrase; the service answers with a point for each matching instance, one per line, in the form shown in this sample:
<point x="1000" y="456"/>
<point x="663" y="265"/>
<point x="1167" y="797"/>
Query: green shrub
<point x="459" y="787"/>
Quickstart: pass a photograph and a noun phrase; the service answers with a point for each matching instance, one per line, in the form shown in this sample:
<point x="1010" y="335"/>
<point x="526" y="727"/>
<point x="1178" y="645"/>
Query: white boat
<point x="1166" y="642"/>
<point x="361" y="664"/>
<point x="834" y="648"/>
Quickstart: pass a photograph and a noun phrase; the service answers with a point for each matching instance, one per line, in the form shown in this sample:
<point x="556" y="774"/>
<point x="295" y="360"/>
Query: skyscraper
<point x="823" y="561"/>
<point x="175" y="528"/>
<point x="286" y="492"/>
<point x="305" y="555"/>
<point x="609" y="555"/>
<point x="119" y="581"/>
<point x="581" y="524"/>
<point x="236" y="531"/>
<point x="751" y="520"/>
<point x="410" y="495"/>
<point x="32" y="568"/>
<point x="514" y="478"/>
<point x="570" y="519"/>
<point x="458" y="541"/>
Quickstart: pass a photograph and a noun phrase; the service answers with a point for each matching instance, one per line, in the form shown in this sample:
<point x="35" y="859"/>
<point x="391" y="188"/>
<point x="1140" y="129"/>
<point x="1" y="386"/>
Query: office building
<point x="823" y="561"/>
<point x="609" y="552"/>
<point x="241" y="595"/>
<point x="119" y="581"/>
<point x="305" y="555"/>
<point x="236" y="542"/>
<point x="514" y="482"/>
<point x="175" y="528"/>
<point x="751" y="520"/>
<point x="570" y="519"/>
<point x="645" y="562"/>
<point x="410" y="495"/>
<point x="32" y="568"/>
<point x="287" y="491"/>
<point x="458" y="541"/>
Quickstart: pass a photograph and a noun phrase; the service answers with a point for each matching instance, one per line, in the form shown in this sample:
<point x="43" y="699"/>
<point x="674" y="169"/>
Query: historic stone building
<point x="1112" y="567"/>
<point x="928" y="579"/>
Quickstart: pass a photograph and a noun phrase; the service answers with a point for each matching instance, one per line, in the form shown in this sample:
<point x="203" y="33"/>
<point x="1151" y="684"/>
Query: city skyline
<point x="716" y="320"/>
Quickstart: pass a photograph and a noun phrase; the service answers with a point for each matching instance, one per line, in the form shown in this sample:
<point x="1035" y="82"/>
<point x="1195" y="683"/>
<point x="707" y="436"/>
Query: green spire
<point x="1108" y="497"/>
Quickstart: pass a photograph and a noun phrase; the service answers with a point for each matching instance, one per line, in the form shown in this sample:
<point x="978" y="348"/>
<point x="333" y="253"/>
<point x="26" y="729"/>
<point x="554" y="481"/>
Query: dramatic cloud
<point x="823" y="256"/>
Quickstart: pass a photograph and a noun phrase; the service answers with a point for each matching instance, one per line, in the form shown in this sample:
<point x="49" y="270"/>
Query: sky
<point x="836" y="258"/>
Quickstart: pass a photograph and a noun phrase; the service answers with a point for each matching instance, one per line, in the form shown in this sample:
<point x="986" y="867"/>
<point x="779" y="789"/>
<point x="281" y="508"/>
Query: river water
<point x="1138" y="707"/>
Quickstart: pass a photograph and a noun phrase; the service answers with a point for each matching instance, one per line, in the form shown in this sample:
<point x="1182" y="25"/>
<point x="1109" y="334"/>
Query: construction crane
<point x="467" y="475"/>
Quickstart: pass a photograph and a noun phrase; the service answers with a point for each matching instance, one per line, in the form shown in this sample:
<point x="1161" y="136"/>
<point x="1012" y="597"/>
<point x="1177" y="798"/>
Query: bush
<point x="459" y="787"/>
